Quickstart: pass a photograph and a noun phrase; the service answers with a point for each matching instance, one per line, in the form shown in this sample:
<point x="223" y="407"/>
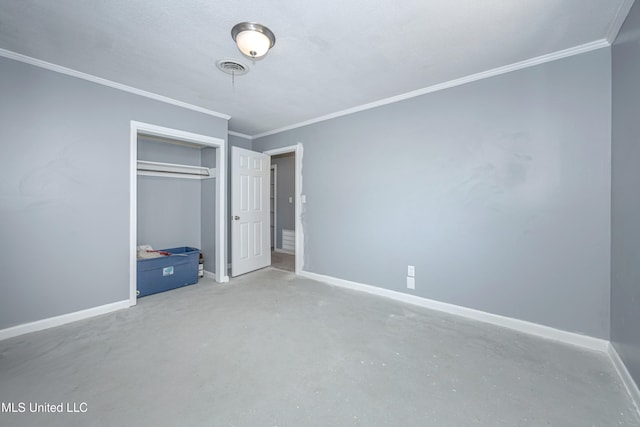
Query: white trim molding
<point x="618" y="21"/>
<point x="506" y="322"/>
<point x="240" y="135"/>
<point x="210" y="275"/>
<point x="598" y="44"/>
<point x="52" y="322"/>
<point x="99" y="80"/>
<point x="623" y="373"/>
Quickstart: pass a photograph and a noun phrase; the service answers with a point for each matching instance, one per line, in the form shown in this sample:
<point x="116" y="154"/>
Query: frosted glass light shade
<point x="253" y="40"/>
<point x="253" y="43"/>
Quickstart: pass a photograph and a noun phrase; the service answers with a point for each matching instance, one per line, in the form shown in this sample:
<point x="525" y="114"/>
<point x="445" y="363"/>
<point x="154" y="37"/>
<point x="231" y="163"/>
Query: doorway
<point x="283" y="223"/>
<point x="288" y="251"/>
<point x="273" y="185"/>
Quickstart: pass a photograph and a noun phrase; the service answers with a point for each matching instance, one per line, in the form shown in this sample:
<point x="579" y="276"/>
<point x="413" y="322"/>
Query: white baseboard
<point x="627" y="379"/>
<point x="524" y="326"/>
<point x="284" y="251"/>
<point x="51" y="322"/>
<point x="63" y="319"/>
<point x="214" y="276"/>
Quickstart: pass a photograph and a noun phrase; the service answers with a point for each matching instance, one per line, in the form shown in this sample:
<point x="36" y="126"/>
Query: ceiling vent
<point x="232" y="66"/>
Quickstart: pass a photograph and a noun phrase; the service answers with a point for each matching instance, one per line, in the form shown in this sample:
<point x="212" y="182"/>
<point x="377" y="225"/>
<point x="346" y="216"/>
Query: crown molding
<point x="598" y="44"/>
<point x="99" y="80"/>
<point x="240" y="135"/>
<point x="618" y="20"/>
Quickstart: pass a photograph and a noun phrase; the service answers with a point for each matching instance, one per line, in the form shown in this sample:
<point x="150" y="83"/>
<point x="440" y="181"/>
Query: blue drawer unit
<point x="168" y="272"/>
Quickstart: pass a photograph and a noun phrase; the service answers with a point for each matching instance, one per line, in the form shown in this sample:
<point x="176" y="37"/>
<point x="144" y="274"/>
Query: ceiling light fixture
<point x="253" y="40"/>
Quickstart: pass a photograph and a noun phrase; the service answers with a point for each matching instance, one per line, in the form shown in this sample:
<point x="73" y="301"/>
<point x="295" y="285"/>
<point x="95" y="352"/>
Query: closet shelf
<point x="174" y="170"/>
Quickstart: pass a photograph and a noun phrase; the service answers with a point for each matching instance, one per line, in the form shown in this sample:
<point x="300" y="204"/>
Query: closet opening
<point x="177" y="196"/>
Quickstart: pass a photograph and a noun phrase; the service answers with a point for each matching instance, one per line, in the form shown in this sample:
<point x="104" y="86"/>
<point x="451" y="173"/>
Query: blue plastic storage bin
<point x="168" y="272"/>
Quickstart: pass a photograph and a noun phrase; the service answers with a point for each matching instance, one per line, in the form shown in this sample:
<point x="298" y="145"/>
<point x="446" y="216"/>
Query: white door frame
<point x="297" y="149"/>
<point x="139" y="128"/>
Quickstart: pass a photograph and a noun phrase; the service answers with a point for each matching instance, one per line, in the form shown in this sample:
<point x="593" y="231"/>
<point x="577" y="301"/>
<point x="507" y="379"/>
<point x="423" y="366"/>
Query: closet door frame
<point x="139" y="128"/>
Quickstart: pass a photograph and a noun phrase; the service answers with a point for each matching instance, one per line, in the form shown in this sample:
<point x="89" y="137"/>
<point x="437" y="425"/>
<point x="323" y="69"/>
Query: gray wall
<point x="286" y="188"/>
<point x="64" y="189"/>
<point x="498" y="191"/>
<point x="625" y="274"/>
<point x="169" y="209"/>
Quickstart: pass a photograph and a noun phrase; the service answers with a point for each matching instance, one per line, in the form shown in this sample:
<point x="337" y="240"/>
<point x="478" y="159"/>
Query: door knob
<point x="236" y="217"/>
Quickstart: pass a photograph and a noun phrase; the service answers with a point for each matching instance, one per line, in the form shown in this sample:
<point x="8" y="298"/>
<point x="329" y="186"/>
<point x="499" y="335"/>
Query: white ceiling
<point x="329" y="56"/>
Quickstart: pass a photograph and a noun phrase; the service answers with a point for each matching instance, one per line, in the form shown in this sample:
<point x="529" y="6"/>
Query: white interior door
<point x="250" y="211"/>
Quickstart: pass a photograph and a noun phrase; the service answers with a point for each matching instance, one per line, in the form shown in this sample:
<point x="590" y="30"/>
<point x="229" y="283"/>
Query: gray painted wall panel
<point x="169" y="209"/>
<point x="625" y="275"/>
<point x="237" y="141"/>
<point x="163" y="150"/>
<point x="64" y="188"/>
<point x="498" y="191"/>
<point x="169" y="212"/>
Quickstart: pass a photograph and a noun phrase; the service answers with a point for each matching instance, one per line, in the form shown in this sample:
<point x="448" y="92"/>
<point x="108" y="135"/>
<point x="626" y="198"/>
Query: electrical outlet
<point x="411" y="271"/>
<point x="411" y="282"/>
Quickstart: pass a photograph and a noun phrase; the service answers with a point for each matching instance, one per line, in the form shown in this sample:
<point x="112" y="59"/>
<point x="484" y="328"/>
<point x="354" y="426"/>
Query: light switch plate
<point x="411" y="282"/>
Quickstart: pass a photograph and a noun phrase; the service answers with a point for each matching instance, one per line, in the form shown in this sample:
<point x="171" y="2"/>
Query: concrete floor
<point x="270" y="349"/>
